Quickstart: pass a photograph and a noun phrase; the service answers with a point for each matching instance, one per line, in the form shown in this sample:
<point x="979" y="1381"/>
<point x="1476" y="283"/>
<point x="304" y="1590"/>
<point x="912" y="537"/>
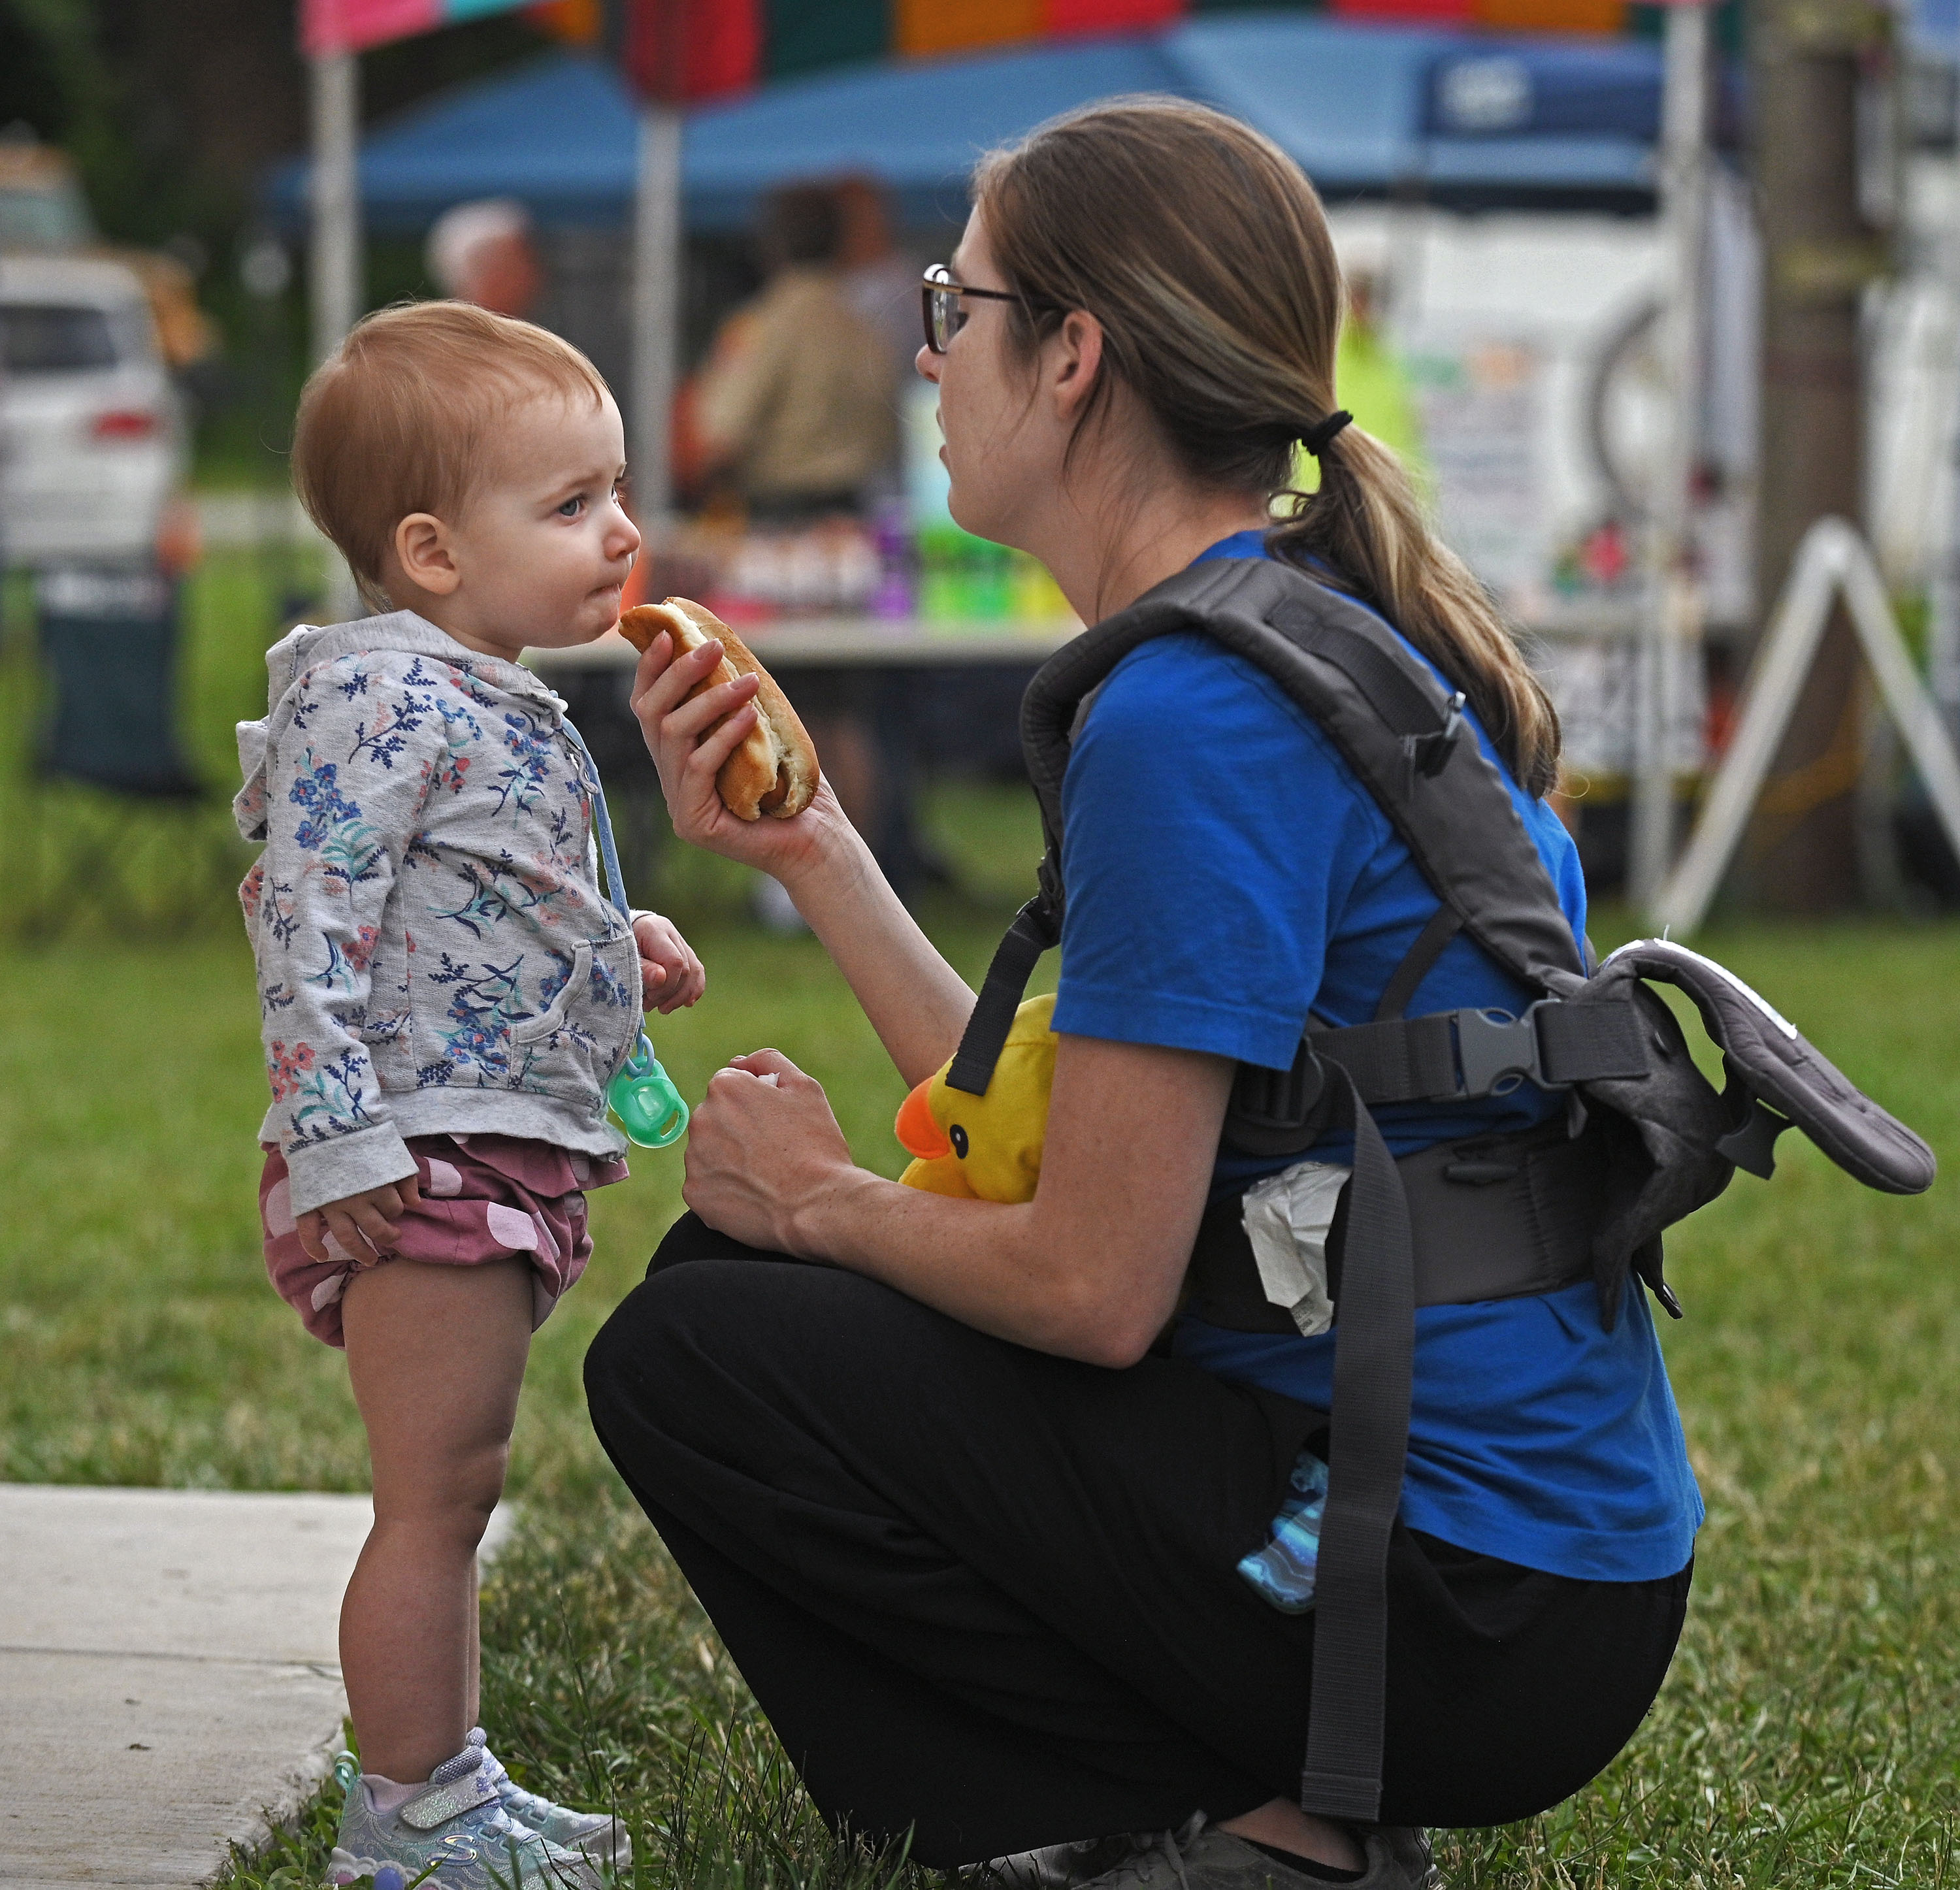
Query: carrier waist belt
<point x="1449" y="1056"/>
<point x="1496" y="1217"/>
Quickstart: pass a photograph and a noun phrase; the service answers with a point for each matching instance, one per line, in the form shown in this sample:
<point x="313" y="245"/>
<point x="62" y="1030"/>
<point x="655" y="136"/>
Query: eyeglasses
<point x="939" y="301"/>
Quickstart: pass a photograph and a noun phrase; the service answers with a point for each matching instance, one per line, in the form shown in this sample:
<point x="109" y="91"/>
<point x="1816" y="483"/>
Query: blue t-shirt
<point x="1225" y="872"/>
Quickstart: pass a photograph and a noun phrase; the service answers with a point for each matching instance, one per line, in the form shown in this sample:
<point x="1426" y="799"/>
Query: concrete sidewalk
<point x="168" y="1676"/>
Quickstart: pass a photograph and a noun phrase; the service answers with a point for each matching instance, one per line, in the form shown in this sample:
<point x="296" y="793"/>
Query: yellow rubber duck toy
<point x="986" y="1147"/>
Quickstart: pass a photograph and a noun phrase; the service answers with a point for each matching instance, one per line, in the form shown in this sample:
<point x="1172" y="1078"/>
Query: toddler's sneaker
<point x="453" y="1834"/>
<point x="593" y="1835"/>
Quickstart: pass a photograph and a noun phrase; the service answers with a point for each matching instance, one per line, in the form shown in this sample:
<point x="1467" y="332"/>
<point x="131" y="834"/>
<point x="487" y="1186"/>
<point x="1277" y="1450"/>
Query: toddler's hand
<point x="670" y="975"/>
<point x="357" y="1221"/>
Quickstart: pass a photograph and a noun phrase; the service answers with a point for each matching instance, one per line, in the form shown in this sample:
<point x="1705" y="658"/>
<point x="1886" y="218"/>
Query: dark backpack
<point x="1602" y="1036"/>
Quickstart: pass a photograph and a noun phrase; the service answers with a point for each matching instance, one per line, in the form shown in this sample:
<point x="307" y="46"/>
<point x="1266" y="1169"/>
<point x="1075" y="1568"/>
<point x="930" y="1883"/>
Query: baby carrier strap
<point x="1385" y="712"/>
<point x="1668" y="1142"/>
<point x="1380" y="706"/>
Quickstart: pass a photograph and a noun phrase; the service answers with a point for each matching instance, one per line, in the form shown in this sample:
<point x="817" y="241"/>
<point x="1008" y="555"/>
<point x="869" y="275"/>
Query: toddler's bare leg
<point x="436" y="1355"/>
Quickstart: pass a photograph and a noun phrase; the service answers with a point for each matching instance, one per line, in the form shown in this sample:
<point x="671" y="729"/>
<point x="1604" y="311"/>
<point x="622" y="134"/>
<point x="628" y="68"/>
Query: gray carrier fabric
<point x="1379" y="705"/>
<point x="1661" y="1141"/>
<point x="1492" y="1217"/>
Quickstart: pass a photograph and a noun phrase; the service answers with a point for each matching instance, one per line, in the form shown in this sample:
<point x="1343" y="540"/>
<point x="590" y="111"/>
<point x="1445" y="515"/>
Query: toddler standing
<point x="446" y="993"/>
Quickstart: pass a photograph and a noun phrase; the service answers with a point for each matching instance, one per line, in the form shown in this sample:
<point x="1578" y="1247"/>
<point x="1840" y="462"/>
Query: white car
<point x="92" y="437"/>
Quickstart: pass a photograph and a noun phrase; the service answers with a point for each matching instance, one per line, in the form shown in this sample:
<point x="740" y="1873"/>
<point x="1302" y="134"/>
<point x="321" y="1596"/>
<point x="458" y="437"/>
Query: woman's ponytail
<point x="1202" y="250"/>
<point x="1367" y="524"/>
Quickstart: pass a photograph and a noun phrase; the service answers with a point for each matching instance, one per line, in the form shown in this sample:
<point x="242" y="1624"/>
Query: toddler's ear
<point x="424" y="550"/>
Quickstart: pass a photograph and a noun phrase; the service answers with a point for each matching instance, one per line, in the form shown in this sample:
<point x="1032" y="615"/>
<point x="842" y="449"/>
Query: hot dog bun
<point x="774" y="771"/>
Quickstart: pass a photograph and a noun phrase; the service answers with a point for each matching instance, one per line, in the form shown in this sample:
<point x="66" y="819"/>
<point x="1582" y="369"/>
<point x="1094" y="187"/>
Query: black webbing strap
<point x="1457" y="1056"/>
<point x="1035" y="929"/>
<point x="1403" y="1060"/>
<point x="1588" y="1043"/>
<point x="1374" y="1362"/>
<point x="1417" y="962"/>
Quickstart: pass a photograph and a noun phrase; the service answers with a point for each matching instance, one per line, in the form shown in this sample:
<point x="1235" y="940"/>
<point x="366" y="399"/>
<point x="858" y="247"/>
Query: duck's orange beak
<point x="918" y="1133"/>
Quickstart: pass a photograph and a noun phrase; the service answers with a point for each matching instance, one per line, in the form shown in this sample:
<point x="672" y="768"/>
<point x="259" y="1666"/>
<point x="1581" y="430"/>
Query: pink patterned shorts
<point x="483" y="1198"/>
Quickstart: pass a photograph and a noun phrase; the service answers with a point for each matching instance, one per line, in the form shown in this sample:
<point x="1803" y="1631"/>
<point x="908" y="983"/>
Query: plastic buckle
<point x="1496" y="1051"/>
<point x="1429" y="755"/>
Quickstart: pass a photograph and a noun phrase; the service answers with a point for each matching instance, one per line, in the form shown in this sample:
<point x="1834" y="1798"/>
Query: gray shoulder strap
<point x="1380" y="707"/>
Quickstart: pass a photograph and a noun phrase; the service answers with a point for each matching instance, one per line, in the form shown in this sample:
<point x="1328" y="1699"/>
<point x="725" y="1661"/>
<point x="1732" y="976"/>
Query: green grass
<point x="1809" y="1736"/>
<point x="139" y="1343"/>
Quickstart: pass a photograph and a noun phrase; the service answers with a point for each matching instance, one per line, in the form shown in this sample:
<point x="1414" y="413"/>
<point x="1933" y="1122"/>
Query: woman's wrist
<point x="828" y="1224"/>
<point x="836" y="859"/>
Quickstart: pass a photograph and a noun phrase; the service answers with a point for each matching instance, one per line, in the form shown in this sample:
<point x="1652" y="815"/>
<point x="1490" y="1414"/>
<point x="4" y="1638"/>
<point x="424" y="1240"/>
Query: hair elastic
<point x="1318" y="439"/>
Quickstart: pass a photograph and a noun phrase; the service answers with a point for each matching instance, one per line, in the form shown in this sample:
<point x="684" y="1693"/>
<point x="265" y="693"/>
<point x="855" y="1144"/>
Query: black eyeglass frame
<point x="938" y="288"/>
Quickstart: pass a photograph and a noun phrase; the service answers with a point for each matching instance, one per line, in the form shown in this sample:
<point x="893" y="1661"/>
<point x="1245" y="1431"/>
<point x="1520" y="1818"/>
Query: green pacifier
<point x="650" y="1108"/>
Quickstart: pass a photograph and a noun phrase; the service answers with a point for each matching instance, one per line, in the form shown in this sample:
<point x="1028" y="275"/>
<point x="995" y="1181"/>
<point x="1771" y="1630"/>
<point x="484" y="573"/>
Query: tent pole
<point x="1943" y="653"/>
<point x="335" y="260"/>
<point x="1670" y="626"/>
<point x="334" y="270"/>
<point x="656" y="308"/>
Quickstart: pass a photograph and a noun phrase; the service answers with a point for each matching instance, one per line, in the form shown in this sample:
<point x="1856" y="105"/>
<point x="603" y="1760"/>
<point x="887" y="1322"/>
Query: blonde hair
<point x="397" y="419"/>
<point x="1203" y="251"/>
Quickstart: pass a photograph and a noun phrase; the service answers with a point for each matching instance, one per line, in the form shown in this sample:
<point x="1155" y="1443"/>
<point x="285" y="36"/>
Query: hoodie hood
<point x="306" y="646"/>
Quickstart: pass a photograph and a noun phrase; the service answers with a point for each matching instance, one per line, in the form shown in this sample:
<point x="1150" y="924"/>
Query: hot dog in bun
<point x="774" y="770"/>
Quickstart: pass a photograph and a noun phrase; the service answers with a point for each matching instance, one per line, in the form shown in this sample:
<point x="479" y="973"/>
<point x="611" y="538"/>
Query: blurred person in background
<point x="796" y="401"/>
<point x="1374" y="385"/>
<point x="796" y="408"/>
<point x="485" y="252"/>
<point x="879" y="281"/>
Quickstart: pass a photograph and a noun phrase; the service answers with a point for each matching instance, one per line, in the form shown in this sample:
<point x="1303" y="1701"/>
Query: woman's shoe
<point x="595" y="1836"/>
<point x="1054" y="1866"/>
<point x="1200" y="1856"/>
<point x="1398" y="1854"/>
<point x="453" y="1834"/>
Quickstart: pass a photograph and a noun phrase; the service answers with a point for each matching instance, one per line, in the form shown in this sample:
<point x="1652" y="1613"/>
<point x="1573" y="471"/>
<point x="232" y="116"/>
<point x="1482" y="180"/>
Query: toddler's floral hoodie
<point x="434" y="954"/>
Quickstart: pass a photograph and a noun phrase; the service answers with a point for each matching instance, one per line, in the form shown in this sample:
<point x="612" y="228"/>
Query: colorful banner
<point x="685" y="50"/>
<point x="691" y="50"/>
<point x="348" y="26"/>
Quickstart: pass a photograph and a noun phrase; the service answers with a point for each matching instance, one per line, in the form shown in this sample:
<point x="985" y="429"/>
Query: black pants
<point x="989" y="1596"/>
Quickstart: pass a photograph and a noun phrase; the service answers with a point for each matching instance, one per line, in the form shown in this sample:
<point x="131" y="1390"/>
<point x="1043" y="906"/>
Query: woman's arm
<point x="1088" y="1269"/>
<point x="918" y="1004"/>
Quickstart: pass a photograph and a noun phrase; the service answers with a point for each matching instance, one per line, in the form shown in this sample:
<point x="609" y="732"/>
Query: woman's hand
<point x="915" y="1000"/>
<point x="688" y="750"/>
<point x="1089" y="1269"/>
<point x="764" y="1149"/>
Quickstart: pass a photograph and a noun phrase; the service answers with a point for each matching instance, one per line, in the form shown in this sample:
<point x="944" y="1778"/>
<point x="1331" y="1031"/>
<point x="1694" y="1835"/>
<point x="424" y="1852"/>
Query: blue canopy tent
<point x="1367" y="110"/>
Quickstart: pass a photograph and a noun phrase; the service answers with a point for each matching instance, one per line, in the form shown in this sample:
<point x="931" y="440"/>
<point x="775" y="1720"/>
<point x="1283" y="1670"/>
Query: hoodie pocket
<point x="572" y="1047"/>
<point x="552" y="1020"/>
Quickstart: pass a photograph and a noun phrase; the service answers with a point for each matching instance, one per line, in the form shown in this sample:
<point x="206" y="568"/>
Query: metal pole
<point x="1943" y="651"/>
<point x="1817" y="71"/>
<point x="336" y="259"/>
<point x="1670" y="622"/>
<point x="1832" y="563"/>
<point x="335" y="264"/>
<point x="657" y="279"/>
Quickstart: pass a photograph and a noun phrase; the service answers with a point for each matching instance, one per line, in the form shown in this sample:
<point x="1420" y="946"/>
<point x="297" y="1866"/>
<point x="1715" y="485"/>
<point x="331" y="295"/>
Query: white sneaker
<point x="453" y="1834"/>
<point x="595" y="1836"/>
